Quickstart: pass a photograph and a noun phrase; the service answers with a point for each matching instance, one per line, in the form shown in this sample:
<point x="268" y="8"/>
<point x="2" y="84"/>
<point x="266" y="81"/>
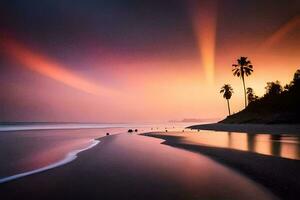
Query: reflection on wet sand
<point x="282" y="145"/>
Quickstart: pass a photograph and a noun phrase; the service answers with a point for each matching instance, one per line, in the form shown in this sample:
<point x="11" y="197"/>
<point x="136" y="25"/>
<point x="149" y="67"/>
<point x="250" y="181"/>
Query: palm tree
<point x="242" y="68"/>
<point x="227" y="93"/>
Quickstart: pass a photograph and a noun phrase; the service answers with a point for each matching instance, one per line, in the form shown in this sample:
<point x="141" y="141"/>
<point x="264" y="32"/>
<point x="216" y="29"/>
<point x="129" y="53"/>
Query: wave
<point x="68" y="158"/>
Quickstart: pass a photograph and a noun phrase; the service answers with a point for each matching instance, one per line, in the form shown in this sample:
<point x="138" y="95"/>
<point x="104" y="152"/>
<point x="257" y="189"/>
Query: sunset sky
<point x="139" y="61"/>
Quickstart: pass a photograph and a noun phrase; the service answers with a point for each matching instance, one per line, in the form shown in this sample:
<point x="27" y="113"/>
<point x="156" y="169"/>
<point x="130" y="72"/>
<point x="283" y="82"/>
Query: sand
<point x="129" y="166"/>
<point x="280" y="175"/>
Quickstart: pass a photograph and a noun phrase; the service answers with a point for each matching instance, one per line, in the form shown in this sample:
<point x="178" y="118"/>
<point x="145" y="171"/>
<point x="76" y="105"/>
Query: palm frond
<point x="227" y="91"/>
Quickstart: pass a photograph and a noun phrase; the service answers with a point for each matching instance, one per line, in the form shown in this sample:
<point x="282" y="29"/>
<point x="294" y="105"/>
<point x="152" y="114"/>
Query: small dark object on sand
<point x="130" y="131"/>
<point x="166" y="130"/>
<point x="107" y="133"/>
<point x="182" y="130"/>
<point x="135" y="130"/>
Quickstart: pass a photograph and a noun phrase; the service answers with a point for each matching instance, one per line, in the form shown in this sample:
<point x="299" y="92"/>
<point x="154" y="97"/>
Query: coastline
<point x="69" y="157"/>
<point x="279" y="175"/>
<point x="250" y="128"/>
<point x="138" y="171"/>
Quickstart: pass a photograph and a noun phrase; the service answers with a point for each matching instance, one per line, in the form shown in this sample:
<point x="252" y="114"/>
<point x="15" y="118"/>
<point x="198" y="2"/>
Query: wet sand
<point x="23" y="151"/>
<point x="280" y="175"/>
<point x="129" y="166"/>
<point x="251" y="128"/>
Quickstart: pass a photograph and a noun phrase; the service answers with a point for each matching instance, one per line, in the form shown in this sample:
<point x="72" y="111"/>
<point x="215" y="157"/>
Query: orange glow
<point x="278" y="35"/>
<point x="262" y="145"/>
<point x="258" y="143"/>
<point x="205" y="23"/>
<point x="47" y="67"/>
<point x="152" y="88"/>
<point x="238" y="141"/>
<point x="290" y="150"/>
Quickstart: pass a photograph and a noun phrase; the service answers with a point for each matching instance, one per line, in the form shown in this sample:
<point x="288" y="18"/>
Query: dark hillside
<point x="278" y="105"/>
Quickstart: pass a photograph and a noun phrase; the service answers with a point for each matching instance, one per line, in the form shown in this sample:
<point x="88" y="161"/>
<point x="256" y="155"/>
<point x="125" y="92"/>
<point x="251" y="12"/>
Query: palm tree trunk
<point x="244" y="91"/>
<point x="228" y="106"/>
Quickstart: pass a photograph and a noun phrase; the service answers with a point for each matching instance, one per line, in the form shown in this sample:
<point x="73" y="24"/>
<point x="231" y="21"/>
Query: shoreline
<point x="281" y="176"/>
<point x="136" y="167"/>
<point x="69" y="157"/>
<point x="250" y="128"/>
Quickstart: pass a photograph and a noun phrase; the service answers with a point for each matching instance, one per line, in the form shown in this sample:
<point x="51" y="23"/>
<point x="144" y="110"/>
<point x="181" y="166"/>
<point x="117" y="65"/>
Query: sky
<point x="139" y="61"/>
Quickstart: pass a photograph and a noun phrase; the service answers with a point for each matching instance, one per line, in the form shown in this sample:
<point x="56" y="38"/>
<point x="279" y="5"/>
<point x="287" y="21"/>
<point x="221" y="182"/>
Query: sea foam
<point x="68" y="158"/>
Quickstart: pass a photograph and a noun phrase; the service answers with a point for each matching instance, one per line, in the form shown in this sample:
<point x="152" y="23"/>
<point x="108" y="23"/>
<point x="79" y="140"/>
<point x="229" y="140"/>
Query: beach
<point x="30" y="150"/>
<point x="27" y="148"/>
<point x="280" y="175"/>
<point x="130" y="166"/>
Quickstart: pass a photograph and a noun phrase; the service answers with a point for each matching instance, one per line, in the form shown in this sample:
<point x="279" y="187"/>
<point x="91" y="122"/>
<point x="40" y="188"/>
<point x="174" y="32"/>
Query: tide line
<point x="68" y="158"/>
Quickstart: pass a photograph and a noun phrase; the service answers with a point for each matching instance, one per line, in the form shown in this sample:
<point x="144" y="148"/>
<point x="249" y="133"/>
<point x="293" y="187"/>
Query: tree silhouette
<point x="241" y="68"/>
<point x="294" y="85"/>
<point x="251" y="95"/>
<point x="273" y="88"/>
<point x="287" y="87"/>
<point x="296" y="79"/>
<point x="276" y="106"/>
<point x="227" y="93"/>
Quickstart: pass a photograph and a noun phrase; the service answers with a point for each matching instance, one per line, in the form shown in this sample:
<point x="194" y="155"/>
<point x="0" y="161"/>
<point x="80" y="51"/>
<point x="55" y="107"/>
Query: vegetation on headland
<point x="278" y="105"/>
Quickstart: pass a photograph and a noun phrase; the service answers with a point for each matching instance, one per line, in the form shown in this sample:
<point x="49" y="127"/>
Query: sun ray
<point x="281" y="32"/>
<point x="47" y="67"/>
<point x="205" y="24"/>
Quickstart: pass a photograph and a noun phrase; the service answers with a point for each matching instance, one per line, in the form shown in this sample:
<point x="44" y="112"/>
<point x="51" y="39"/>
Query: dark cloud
<point x="72" y="27"/>
<point x="116" y="23"/>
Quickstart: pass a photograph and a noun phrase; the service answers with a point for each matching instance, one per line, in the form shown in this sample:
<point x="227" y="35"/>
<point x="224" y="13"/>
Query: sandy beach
<point x="128" y="166"/>
<point x="251" y="128"/>
<point x="25" y="151"/>
<point x="279" y="175"/>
